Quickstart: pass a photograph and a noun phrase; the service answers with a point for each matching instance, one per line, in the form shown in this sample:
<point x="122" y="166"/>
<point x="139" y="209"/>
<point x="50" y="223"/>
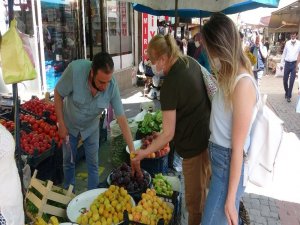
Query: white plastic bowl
<point x="84" y="200"/>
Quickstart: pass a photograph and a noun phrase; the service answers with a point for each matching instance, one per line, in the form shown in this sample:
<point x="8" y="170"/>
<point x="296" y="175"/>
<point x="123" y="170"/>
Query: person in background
<point x="191" y="47"/>
<point x="232" y="116"/>
<point x="261" y="53"/>
<point x="184" y="42"/>
<point x="11" y="198"/>
<point x="267" y="44"/>
<point x="242" y="40"/>
<point x="200" y="52"/>
<point x="290" y="59"/>
<point x="186" y="109"/>
<point x="85" y="89"/>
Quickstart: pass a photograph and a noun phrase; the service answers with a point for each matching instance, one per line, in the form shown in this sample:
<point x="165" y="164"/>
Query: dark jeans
<point x="289" y="68"/>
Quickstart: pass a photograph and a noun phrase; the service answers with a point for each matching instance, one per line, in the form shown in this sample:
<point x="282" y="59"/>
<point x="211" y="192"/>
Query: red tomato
<point x="35" y="126"/>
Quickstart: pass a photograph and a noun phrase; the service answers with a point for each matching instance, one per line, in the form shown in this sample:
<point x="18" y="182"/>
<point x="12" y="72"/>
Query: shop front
<point x="66" y="30"/>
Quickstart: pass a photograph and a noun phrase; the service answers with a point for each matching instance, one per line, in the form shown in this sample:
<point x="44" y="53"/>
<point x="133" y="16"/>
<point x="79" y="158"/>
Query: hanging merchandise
<point x="16" y="55"/>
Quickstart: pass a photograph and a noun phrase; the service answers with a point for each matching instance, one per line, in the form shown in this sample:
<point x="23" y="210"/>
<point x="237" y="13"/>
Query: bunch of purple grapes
<point x="122" y="177"/>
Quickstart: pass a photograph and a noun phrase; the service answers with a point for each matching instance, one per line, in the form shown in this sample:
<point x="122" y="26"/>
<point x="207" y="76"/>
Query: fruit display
<point x="162" y="186"/>
<point x="107" y="208"/>
<point x="9" y="125"/>
<point x="151" y="122"/>
<point x="34" y="141"/>
<point x="42" y="127"/>
<point x="122" y="177"/>
<point x="151" y="209"/>
<point x="146" y="141"/>
<point x="40" y="107"/>
<point x="40" y="221"/>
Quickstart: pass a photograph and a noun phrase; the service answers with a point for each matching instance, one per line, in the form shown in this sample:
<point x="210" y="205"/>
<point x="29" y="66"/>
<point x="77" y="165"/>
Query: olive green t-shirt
<point x="183" y="90"/>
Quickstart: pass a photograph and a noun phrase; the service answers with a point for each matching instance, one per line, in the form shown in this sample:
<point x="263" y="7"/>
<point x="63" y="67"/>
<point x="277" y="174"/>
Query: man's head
<point x="102" y="70"/>
<point x="293" y="36"/>
<point x="257" y="40"/>
<point x="198" y="40"/>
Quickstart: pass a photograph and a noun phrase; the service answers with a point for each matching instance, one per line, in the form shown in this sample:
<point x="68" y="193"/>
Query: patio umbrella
<point x="198" y="8"/>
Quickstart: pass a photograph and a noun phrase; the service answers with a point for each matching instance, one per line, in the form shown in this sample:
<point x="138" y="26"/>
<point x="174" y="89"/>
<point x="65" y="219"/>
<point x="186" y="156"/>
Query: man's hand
<point x="136" y="163"/>
<point x="63" y="131"/>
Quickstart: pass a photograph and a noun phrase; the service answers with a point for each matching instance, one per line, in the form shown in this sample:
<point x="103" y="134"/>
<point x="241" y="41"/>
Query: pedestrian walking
<point x="290" y="59"/>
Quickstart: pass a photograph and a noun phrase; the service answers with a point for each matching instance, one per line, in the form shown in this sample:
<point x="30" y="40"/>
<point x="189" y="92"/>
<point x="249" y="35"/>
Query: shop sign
<point x="149" y="30"/>
<point x="124" y="29"/>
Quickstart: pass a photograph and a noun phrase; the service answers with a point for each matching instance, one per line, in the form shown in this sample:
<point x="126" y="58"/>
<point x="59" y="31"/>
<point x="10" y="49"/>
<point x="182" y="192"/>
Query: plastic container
<point x="174" y="200"/>
<point x="155" y="165"/>
<point x="35" y="159"/>
<point x="137" y="194"/>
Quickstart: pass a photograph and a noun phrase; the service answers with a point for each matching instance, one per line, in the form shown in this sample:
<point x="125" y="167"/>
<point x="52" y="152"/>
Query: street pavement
<point x="279" y="203"/>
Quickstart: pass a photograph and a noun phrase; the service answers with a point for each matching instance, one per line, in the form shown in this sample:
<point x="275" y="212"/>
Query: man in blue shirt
<point x="85" y="89"/>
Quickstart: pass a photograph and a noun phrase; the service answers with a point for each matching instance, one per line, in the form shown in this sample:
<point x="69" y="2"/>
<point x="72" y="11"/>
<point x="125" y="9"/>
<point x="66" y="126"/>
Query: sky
<point x="248" y="16"/>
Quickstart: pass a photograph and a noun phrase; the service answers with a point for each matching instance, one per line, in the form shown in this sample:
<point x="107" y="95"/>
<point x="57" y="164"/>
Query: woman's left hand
<point x="231" y="212"/>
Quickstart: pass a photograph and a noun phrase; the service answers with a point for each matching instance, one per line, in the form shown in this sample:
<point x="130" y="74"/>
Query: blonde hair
<point x="222" y="40"/>
<point x="160" y="45"/>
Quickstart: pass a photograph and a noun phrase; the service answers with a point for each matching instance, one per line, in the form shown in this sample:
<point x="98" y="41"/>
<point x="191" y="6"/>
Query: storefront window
<point x="119" y="33"/>
<point x="60" y="35"/>
<point x="95" y="41"/>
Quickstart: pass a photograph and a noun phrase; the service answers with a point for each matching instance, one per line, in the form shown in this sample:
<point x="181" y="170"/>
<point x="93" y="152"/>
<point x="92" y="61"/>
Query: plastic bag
<point x="298" y="106"/>
<point x="16" y="63"/>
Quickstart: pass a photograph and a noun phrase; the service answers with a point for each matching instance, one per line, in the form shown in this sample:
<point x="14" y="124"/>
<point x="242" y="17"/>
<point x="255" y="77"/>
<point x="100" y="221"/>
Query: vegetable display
<point x="151" y="122"/>
<point x="162" y="186"/>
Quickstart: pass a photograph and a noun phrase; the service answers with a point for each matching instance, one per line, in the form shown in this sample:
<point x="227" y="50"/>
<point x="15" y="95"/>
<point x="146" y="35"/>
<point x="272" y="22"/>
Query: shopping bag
<point x="15" y="61"/>
<point x="298" y="106"/>
<point x="210" y="83"/>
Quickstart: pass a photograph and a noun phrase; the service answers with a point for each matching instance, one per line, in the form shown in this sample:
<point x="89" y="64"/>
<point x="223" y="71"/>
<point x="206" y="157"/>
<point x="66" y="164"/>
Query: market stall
<point x="155" y="201"/>
<point x="122" y="199"/>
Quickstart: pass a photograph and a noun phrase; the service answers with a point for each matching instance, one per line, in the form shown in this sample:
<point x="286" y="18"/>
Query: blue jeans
<point x="258" y="75"/>
<point x="91" y="147"/>
<point x="214" y="213"/>
<point x="289" y="68"/>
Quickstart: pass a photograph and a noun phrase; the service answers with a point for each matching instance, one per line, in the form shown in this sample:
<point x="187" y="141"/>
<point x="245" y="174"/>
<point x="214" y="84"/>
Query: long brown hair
<point x="222" y="40"/>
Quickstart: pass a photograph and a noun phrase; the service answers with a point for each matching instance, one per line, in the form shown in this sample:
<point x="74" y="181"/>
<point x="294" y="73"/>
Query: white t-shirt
<point x="291" y="51"/>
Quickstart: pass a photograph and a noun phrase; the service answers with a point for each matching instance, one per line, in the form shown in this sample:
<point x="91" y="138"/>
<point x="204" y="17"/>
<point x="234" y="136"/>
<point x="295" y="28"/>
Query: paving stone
<point x="272" y="221"/>
<point x="254" y="212"/>
<point x="274" y="209"/>
<point x="261" y="219"/>
<point x="265" y="211"/>
<point x="264" y="202"/>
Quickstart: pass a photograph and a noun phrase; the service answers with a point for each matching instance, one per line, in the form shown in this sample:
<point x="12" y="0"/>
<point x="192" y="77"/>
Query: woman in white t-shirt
<point x="11" y="199"/>
<point x="232" y="113"/>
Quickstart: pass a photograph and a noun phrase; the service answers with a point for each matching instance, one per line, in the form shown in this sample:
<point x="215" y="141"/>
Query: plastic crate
<point x="155" y="165"/>
<point x="45" y="116"/>
<point x="35" y="159"/>
<point x="174" y="200"/>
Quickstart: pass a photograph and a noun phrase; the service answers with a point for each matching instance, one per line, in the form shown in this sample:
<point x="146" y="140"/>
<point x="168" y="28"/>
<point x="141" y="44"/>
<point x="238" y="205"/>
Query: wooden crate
<point x="48" y="193"/>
